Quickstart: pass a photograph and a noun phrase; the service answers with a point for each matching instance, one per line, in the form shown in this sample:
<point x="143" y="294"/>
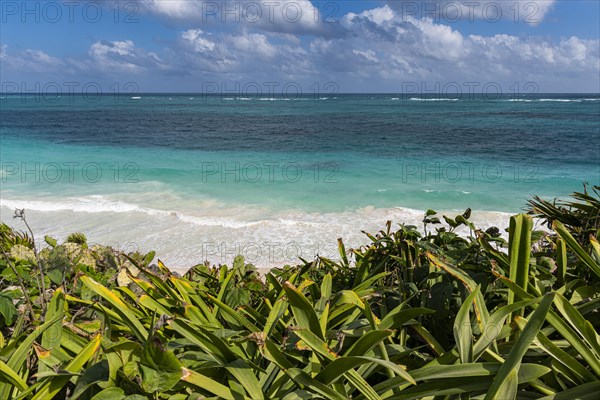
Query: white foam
<point x="435" y="99"/>
<point x="193" y="232"/>
<point x="275" y="99"/>
<point x="561" y="100"/>
<point x="547" y="100"/>
<point x="98" y="204"/>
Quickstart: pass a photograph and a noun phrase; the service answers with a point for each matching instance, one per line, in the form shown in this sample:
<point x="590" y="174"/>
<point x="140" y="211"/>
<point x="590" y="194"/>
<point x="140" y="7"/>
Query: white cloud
<point x="376" y="50"/>
<point x="247" y="52"/>
<point x="32" y="60"/>
<point x="411" y="48"/>
<point x="282" y="16"/>
<point x="123" y="56"/>
<point x="197" y="41"/>
<point x="253" y="43"/>
<point x="173" y="9"/>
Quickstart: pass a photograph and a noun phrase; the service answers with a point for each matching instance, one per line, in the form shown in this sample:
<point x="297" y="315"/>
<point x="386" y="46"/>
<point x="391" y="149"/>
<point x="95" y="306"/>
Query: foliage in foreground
<point x="408" y="316"/>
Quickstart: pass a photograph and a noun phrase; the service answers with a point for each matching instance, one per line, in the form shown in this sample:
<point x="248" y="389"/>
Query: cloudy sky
<point x="356" y="46"/>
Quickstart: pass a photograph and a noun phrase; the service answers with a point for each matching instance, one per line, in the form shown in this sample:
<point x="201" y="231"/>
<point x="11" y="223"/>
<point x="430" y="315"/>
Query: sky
<point x="300" y="46"/>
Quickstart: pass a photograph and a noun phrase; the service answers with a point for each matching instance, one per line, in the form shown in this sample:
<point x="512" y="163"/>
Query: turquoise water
<point x="213" y="174"/>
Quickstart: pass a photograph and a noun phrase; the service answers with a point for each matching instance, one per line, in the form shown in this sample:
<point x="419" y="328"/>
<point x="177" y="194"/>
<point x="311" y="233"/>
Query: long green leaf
<point x="504" y="381"/>
<point x="336" y="368"/>
<point x="50" y="388"/>
<point x="576" y="247"/>
<point x="210" y="385"/>
<point x="303" y="311"/>
<point x="245" y="376"/>
<point x="17" y="360"/>
<point x="463" y="334"/>
<point x="519" y="252"/>
<point x="124" y="311"/>
<point x="588" y="391"/>
<point x="12" y="377"/>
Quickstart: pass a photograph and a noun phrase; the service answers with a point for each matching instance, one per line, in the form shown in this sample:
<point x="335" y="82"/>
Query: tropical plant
<point x="411" y="315"/>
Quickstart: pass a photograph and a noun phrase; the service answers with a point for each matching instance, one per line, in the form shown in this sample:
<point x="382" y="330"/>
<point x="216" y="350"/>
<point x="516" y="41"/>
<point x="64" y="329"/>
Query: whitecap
<point x="561" y="100"/>
<point x="434" y="99"/>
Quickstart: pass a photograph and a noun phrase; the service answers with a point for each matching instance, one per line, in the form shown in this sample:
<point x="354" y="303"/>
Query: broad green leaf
<point x="463" y="334"/>
<point x="7" y="310"/>
<point x="303" y="311"/>
<point x="159" y="367"/>
<point x="112" y="393"/>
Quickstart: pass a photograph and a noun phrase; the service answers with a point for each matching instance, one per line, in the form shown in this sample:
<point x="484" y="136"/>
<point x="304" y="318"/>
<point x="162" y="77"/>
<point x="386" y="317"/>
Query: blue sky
<point x="361" y="46"/>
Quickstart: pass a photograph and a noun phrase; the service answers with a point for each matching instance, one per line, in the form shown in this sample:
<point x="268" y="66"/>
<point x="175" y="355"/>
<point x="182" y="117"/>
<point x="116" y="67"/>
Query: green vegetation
<point x="409" y="316"/>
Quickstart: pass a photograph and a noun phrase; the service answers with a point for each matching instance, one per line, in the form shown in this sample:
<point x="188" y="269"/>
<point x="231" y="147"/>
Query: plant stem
<point x="21" y="283"/>
<point x="42" y="284"/>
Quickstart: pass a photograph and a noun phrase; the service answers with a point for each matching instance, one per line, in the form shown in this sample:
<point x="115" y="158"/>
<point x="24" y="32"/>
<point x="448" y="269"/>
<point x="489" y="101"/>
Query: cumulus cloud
<point x="283" y="16"/>
<point x="420" y="47"/>
<point x="198" y="41"/>
<point x="123" y="56"/>
<point x="33" y="60"/>
<point x="245" y="52"/>
<point x="375" y="50"/>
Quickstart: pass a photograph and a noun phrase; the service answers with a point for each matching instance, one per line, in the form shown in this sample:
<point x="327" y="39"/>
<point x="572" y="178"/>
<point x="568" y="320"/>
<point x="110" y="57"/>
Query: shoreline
<point x="266" y="243"/>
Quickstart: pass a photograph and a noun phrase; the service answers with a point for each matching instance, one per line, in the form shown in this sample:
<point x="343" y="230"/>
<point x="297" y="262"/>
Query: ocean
<point x="205" y="177"/>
